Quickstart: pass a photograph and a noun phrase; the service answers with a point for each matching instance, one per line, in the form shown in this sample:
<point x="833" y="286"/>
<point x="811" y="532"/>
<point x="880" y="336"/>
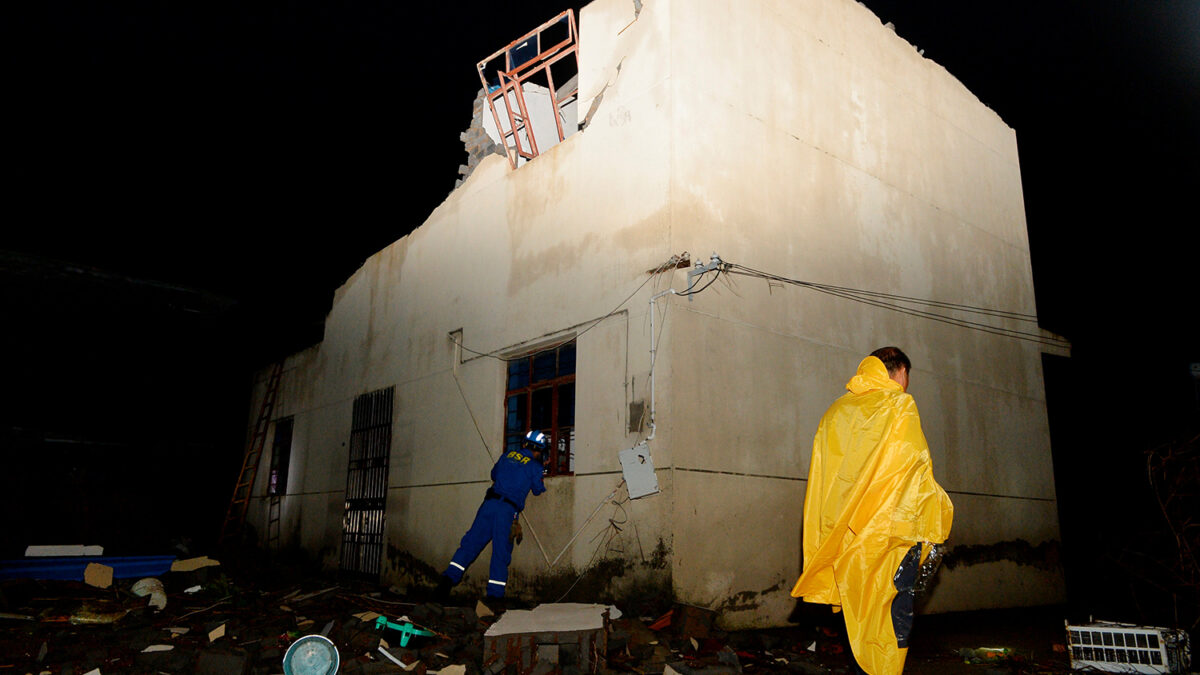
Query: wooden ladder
<point x="235" y="516"/>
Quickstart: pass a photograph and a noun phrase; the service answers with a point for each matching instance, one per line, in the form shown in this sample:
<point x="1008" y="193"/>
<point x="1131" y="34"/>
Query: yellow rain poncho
<point x="871" y="496"/>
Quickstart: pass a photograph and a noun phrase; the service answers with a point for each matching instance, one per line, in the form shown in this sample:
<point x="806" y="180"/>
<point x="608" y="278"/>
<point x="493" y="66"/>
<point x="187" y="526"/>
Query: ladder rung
<point x="235" y="516"/>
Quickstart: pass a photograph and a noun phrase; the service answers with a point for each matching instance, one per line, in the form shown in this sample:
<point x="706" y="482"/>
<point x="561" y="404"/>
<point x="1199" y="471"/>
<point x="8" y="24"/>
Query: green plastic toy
<point x="407" y="629"/>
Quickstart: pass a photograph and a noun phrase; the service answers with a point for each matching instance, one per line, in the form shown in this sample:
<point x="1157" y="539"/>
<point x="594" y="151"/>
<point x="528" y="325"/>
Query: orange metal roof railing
<point x="525" y="58"/>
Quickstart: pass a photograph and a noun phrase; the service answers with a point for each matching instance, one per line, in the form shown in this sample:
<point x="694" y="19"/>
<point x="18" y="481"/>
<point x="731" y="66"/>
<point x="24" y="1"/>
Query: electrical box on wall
<point x="639" y="471"/>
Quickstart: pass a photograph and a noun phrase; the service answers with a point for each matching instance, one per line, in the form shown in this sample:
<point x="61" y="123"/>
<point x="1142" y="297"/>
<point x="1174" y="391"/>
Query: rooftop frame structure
<point x="530" y="57"/>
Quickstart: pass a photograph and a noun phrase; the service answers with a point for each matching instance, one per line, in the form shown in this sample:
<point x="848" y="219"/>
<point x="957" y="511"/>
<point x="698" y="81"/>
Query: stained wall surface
<point x="802" y="139"/>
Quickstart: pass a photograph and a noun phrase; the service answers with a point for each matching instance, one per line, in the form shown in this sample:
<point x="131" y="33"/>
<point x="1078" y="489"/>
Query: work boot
<point x="442" y="592"/>
<point x="497" y="605"/>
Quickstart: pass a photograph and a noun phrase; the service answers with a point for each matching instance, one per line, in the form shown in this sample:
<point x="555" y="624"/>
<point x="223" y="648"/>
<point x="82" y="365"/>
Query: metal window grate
<point x="1127" y="648"/>
<point x="366" y="484"/>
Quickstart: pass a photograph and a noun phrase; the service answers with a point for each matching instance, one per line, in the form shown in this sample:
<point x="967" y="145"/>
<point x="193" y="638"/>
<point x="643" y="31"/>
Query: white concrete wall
<point x="803" y="139"/>
<point x="839" y="155"/>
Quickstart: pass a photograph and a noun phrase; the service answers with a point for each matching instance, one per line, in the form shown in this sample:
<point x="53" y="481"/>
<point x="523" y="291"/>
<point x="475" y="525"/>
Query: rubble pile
<point x="202" y="620"/>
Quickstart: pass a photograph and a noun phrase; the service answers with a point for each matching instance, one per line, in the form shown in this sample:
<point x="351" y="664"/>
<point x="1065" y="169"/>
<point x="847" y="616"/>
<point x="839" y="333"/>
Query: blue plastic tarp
<point x="71" y="569"/>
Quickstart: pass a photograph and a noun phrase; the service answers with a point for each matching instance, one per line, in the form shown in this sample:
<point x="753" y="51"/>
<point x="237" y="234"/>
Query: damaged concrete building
<point x="550" y="290"/>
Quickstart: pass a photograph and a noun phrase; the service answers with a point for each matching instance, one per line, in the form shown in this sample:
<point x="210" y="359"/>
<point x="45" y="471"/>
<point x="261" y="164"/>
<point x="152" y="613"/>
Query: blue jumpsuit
<point x="513" y="477"/>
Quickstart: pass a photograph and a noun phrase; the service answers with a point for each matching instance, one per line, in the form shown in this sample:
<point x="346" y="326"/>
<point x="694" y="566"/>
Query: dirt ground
<point x="244" y="623"/>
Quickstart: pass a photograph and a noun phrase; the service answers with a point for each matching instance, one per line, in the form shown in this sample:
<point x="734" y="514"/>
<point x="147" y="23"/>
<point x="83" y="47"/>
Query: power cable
<point x="488" y="450"/>
<point x="611" y="531"/>
<point x="881" y="300"/>
<point x="701" y="290"/>
<point x="891" y="296"/>
<point x="474" y="421"/>
<point x="670" y="263"/>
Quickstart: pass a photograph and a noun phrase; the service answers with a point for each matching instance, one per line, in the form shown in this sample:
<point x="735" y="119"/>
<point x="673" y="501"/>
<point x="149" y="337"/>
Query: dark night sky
<point x="187" y="183"/>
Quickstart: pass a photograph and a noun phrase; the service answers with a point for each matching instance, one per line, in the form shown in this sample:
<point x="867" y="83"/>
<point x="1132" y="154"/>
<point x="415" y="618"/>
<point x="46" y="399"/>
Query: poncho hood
<point x="872" y="375"/>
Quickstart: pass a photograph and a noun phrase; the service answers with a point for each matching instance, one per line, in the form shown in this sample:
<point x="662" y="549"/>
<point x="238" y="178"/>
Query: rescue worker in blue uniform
<point x="514" y="476"/>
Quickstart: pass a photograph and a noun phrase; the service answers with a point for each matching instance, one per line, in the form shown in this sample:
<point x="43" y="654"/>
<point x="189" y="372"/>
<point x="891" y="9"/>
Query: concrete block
<point x="548" y="639"/>
<point x="547" y="653"/>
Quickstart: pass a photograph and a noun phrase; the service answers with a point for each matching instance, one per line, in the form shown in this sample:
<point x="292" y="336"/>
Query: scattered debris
<point x="193" y="564"/>
<point x="549" y="636"/>
<point x="985" y="654"/>
<point x="150" y="649"/>
<point x="98" y="575"/>
<point x="153" y="588"/>
<point x="404" y="626"/>
<point x="312" y="655"/>
<point x="73" y="568"/>
<point x="99" y="612"/>
<point x="696" y="621"/>
<point x="17" y="617"/>
<point x="663" y="621"/>
<point x="1121" y="647"/>
<point x="236" y="626"/>
<point x="308" y="596"/>
<point x="62" y="551"/>
<point x="210" y="607"/>
<point x="383" y="650"/>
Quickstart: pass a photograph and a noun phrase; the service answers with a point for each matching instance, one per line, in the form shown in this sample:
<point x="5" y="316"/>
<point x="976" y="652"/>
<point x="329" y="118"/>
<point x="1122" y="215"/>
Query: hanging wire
<point x="609" y="533"/>
<point x="890" y="301"/>
<point x="669" y="264"/>
<point x="689" y="290"/>
<point x="1032" y="318"/>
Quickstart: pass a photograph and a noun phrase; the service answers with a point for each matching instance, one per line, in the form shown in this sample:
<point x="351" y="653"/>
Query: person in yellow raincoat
<point x="872" y="511"/>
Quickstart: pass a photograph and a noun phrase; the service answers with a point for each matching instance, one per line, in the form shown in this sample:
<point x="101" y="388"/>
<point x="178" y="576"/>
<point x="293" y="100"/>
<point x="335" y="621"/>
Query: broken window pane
<point x="543" y="403"/>
<point x="566" y="405"/>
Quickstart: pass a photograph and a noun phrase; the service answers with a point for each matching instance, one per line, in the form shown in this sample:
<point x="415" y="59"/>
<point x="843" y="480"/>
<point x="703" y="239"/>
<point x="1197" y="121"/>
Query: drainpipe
<point x="653" y="356"/>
